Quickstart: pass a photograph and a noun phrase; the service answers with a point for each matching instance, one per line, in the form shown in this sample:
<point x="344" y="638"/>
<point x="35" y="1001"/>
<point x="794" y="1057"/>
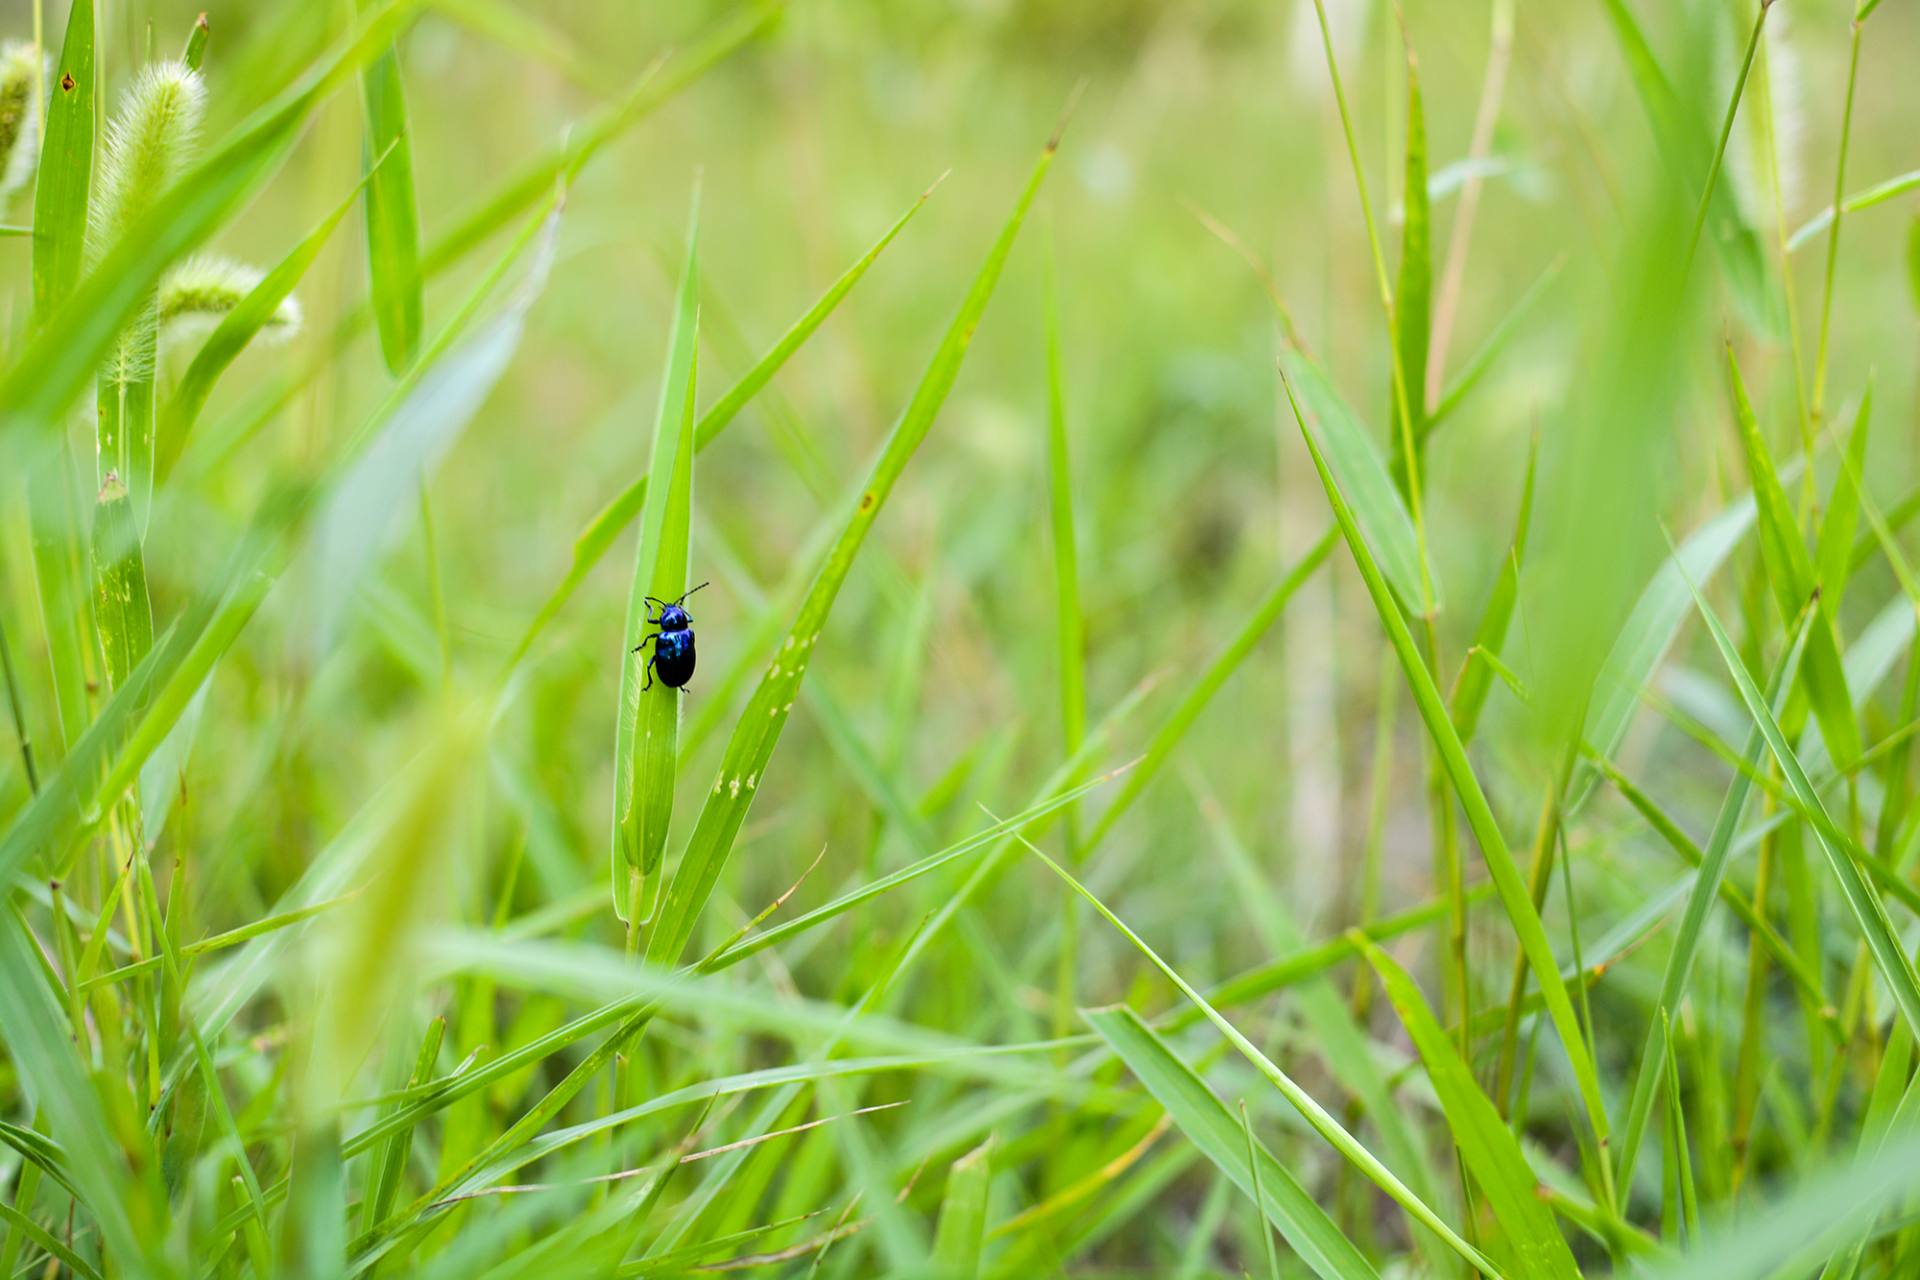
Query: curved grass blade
<point x="1879" y="193"/>
<point x="758" y="730"/>
<point x="235" y="330"/>
<point x="1507" y="880"/>
<point x="1283" y="1202"/>
<point x="393" y="215"/>
<point x="595" y="540"/>
<point x="647" y="736"/>
<point x="1481" y="1136"/>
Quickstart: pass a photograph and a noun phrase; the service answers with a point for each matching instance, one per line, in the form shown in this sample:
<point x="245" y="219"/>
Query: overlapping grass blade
<point x="1863" y="903"/>
<point x="1790" y="573"/>
<point x="1363" y="473"/>
<point x="647" y="734"/>
<point x="50" y="373"/>
<point x="1508" y="882"/>
<point x="1471" y="686"/>
<point x="236" y="329"/>
<point x="1479" y="1133"/>
<point x="1687" y="939"/>
<point x="1205" y="1120"/>
<point x="1413" y="290"/>
<point x="1315" y="1115"/>
<point x="758" y="730"/>
<point x="962" y="1231"/>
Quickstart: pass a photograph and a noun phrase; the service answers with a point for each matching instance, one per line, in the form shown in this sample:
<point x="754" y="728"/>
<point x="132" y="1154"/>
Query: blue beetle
<point x="672" y="658"/>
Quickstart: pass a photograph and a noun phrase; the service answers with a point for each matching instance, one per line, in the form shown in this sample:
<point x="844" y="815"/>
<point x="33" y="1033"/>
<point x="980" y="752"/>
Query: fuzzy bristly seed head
<point x="148" y="146"/>
<point x="20" y="67"/>
<point x="204" y="288"/>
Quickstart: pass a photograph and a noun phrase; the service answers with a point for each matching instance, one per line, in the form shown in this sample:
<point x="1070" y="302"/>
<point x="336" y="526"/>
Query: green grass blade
<point x="1485" y="1143"/>
<point x="758" y="730"/>
<point x="598" y="537"/>
<point x="1507" y="879"/>
<point x="1377" y="503"/>
<point x="61" y="202"/>
<point x="1315" y="1115"/>
<point x="1833" y="552"/>
<point x="62" y="195"/>
<point x="1868" y="911"/>
<point x="393" y="216"/>
<point x="1687" y="938"/>
<point x="1790" y="573"/>
<point x="647" y="737"/>
<point x="1337" y="1035"/>
<point x="236" y="329"/>
<point x="1169" y="736"/>
<point x="568" y="157"/>
<point x="963" y="1215"/>
<point x="1413" y="290"/>
<point x="1471" y="686"/>
<point x="392" y="212"/>
<point x="1488" y="353"/>
<point x="1207" y="1123"/>
<point x="1069" y="626"/>
<point x="39" y="1042"/>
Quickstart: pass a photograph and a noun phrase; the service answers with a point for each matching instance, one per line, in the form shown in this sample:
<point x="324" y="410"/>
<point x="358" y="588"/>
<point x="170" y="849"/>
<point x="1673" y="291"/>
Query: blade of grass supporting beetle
<point x="393" y="216"/>
<point x="647" y="740"/>
<point x="1485" y="1143"/>
<point x="758" y="730"/>
<point x="236" y="329"/>
<point x="594" y="541"/>
<point x="1507" y="880"/>
<point x="1868" y="911"/>
<point x="1207" y="1123"/>
<point x="1706" y="886"/>
<point x="1790" y="573"/>
<point x="963" y="1215"/>
<point x="1315" y="1115"/>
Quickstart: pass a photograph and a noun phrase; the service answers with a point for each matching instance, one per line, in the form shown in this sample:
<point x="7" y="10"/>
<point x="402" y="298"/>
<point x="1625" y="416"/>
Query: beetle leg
<point x="649" y="670"/>
<point x="651" y="635"/>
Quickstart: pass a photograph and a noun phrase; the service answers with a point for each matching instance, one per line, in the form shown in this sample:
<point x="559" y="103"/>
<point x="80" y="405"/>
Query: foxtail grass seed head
<point x="148" y="146"/>
<point x="199" y="293"/>
<point x="21" y="67"/>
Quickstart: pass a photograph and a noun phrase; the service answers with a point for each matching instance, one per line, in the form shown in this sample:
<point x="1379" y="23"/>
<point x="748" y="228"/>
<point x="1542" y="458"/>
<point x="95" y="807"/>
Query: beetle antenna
<point x="690" y="590"/>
